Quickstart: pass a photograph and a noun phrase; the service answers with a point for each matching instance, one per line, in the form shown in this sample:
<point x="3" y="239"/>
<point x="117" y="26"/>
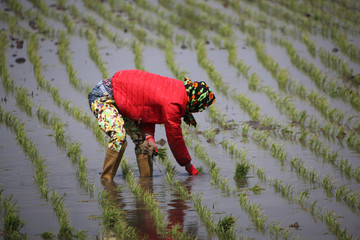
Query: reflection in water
<point x="177" y="210"/>
<point x="114" y="196"/>
<point x="140" y="218"/>
<point x="242" y="183"/>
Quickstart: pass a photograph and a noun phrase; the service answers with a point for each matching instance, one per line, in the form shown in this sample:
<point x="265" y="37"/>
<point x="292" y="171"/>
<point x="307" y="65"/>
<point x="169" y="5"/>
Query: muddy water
<point x="84" y="211"/>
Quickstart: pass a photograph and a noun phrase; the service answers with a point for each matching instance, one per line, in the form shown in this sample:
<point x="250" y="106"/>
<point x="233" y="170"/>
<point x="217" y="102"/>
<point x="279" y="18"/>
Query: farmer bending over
<point x="135" y="100"/>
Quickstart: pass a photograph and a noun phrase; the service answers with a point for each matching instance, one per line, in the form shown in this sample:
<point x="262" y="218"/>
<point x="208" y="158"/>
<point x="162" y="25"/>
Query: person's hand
<point x="151" y="144"/>
<point x="191" y="169"/>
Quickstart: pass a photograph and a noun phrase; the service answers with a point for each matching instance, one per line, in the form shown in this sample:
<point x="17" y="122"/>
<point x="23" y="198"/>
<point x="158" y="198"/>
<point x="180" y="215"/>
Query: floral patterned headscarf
<point x="199" y="97"/>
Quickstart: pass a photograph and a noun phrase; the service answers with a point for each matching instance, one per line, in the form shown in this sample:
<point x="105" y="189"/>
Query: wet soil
<point x="17" y="172"/>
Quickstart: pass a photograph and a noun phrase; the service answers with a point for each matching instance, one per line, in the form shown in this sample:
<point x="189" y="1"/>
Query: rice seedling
<point x="11" y="219"/>
<point x="120" y="23"/>
<point x="113" y="218"/>
<point x="331" y="114"/>
<point x="254" y="82"/>
<point x="210" y="133"/>
<point x="241" y="170"/>
<point x="303" y="171"/>
<point x="48" y="235"/>
<point x="277" y="230"/>
<point x="40" y="175"/>
<point x="283" y="78"/>
<point x="43" y="114"/>
<point x="310" y="45"/>
<point x="278" y="152"/>
<point x="285" y="190"/>
<point x="345" y="166"/>
<point x="352" y="141"/>
<point x="335" y="227"/>
<point x="64" y="56"/>
<point x="318" y="77"/>
<point x="214" y="76"/>
<point x="241" y="67"/>
<point x="245" y="130"/>
<point x="16" y="7"/>
<point x="247" y="104"/>
<point x="147" y="197"/>
<point x="336" y="63"/>
<point x="94" y="53"/>
<point x="169" y="56"/>
<point x="225" y="227"/>
<point x="216" y="117"/>
<point x="265" y="59"/>
<point x="72" y="149"/>
<point x="224" y="186"/>
<point x="285" y="131"/>
<point x="61" y="3"/>
<point x="328" y="185"/>
<point x="231" y="47"/>
<point x="233" y="150"/>
<point x="137" y="48"/>
<point x="214" y="173"/>
<point x="256" y="189"/>
<point x="311" y="175"/>
<point x="29" y="148"/>
<point x="352" y="199"/>
<point x="260" y="173"/>
<point x="204" y="213"/>
<point x="7" y="83"/>
<point x="255" y="212"/>
<point x="303" y="195"/>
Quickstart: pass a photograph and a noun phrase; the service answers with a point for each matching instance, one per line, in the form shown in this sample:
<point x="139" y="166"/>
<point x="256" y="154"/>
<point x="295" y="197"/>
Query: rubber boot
<point x="111" y="162"/>
<point x="145" y="165"/>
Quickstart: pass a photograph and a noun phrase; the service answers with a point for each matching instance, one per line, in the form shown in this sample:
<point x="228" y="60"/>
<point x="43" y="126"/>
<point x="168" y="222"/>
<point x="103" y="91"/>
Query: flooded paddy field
<point x="279" y="151"/>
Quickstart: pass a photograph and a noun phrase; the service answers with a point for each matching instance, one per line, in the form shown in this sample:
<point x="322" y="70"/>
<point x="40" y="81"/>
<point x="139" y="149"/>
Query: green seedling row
<point x="341" y="9"/>
<point x="45" y="85"/>
<point x="329" y="217"/>
<point x="254" y="210"/>
<point x="99" y="8"/>
<point x="276" y="152"/>
<point x="333" y="32"/>
<point x="327" y="182"/>
<point x="332" y="114"/>
<point x="284" y="131"/>
<point x="342" y="193"/>
<point x="336" y="63"/>
<point x="288" y="192"/>
<point x="152" y="205"/>
<point x="146" y="196"/>
<point x="113" y="219"/>
<point x="279" y="153"/>
<point x="214" y="172"/>
<point x="318" y="77"/>
<point x="204" y="212"/>
<point x="40" y="177"/>
<point x="72" y="149"/>
<point x="65" y="58"/>
<point x="319" y="15"/>
<point x="137" y="49"/>
<point x="11" y="218"/>
<point x="73" y="152"/>
<point x="94" y="53"/>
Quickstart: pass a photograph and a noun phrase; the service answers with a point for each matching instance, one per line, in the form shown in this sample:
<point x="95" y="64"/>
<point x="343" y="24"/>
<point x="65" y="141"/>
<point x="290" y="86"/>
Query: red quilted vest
<point x="153" y="99"/>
